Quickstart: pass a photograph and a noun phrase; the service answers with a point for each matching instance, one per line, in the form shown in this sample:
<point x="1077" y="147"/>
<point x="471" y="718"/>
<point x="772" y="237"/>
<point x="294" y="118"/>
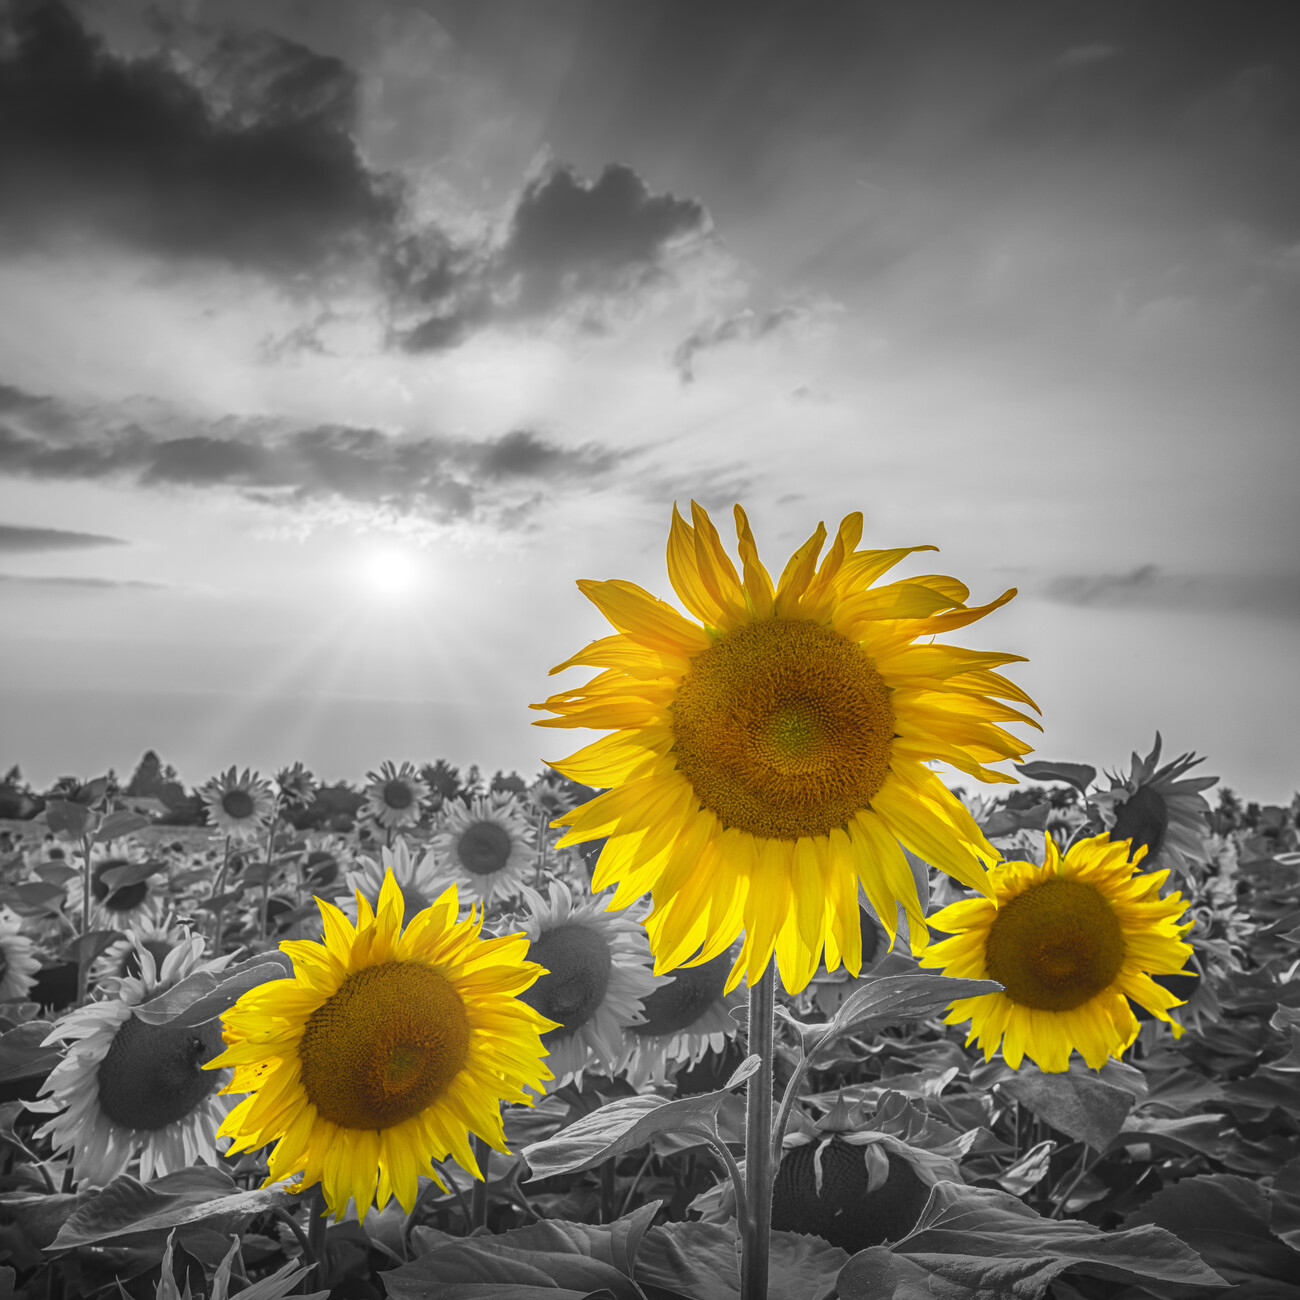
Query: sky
<point x="339" y="339"/>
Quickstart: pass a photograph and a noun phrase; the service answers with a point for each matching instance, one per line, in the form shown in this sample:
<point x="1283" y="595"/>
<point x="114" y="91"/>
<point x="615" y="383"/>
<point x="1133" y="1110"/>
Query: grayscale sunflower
<point x="396" y="796"/>
<point x="128" y="1088"/>
<point x="1162" y="809"/>
<point x="598" y="973"/>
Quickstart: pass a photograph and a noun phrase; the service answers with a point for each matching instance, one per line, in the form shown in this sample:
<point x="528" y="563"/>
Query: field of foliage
<point x="135" y="914"/>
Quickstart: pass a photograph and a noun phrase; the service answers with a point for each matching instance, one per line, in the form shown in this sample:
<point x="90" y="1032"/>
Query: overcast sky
<point x="338" y="339"/>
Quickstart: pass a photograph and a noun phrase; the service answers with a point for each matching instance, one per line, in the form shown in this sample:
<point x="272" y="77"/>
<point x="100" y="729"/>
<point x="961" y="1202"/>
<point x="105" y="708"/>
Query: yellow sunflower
<point x="768" y="759"/>
<point x="384" y="1050"/>
<point x="1070" y="942"/>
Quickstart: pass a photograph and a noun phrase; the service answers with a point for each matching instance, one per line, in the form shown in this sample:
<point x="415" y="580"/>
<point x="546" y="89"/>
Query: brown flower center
<point x="1143" y="818"/>
<point x="1055" y="946"/>
<point x="784" y="728"/>
<point x="152" y="1075"/>
<point x="384" y="1046"/>
<point x="578" y="960"/>
<point x="238" y="804"/>
<point x="677" y="1006"/>
<point x="398" y="795"/>
<point x="484" y="848"/>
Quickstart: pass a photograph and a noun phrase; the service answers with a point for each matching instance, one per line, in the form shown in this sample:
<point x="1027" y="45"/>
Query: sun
<point x="387" y="572"/>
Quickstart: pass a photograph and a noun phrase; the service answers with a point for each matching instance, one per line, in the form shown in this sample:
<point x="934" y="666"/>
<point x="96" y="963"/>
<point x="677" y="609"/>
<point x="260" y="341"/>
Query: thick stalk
<point x="758" y="1142"/>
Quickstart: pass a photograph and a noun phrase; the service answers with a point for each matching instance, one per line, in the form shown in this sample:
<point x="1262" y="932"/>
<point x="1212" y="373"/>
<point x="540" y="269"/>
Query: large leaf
<point x="120" y="823"/>
<point x="629" y="1123"/>
<point x="887" y="998"/>
<point x="34" y="895"/>
<point x="698" y="1261"/>
<point x="1075" y="1102"/>
<point x="65" y="818"/>
<point x="85" y="948"/>
<point x="21" y="1053"/>
<point x="130" y="873"/>
<point x="204" y="995"/>
<point x="976" y="1244"/>
<point x="490" y="1259"/>
<point x="127" y="1208"/>
<point x="1079" y="775"/>
<point x="1227" y="1220"/>
<point x="615" y="1244"/>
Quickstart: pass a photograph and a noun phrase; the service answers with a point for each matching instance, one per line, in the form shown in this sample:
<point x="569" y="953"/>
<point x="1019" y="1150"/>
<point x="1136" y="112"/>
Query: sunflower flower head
<point x="128" y="1087"/>
<point x="384" y="1051"/>
<point x="1071" y="942"/>
<point x="396" y="796"/>
<point x="770" y="759"/>
<point x="1162" y="810"/>
<point x="486" y="846"/>
<point x="417" y="876"/>
<point x="240" y="805"/>
<point x="18" y="960"/>
<point x="598" y="972"/>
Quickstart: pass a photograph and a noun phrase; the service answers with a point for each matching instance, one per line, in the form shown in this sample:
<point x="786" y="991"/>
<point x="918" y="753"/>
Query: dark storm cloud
<point x="1149" y="587"/>
<point x="568" y="234"/>
<point x="261" y="172"/>
<point x="434" y="477"/>
<point x="18" y="538"/>
<point x="567" y="241"/>
<point x="744" y="326"/>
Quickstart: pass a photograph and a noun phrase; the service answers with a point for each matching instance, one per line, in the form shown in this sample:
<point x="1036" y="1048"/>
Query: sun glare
<point x="386" y="572"/>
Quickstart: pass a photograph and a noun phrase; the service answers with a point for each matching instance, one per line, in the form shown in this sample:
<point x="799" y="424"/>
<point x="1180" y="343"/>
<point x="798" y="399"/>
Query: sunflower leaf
<point x="1076" y="1102"/>
<point x="119" y="823"/>
<point x="130" y="873"/>
<point x="21" y="1053"/>
<point x="202" y="996"/>
<point x="1079" y="775"/>
<point x="127" y="1208"/>
<point x="975" y="1244"/>
<point x="629" y="1123"/>
<point x="899" y="997"/>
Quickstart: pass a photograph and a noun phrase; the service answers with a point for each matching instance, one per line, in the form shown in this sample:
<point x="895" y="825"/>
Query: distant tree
<point x="147" y="777"/>
<point x="503" y="784"/>
<point x="17" y="802"/>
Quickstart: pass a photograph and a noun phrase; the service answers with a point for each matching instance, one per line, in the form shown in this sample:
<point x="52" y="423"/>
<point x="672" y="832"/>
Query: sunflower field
<point x="738" y="1001"/>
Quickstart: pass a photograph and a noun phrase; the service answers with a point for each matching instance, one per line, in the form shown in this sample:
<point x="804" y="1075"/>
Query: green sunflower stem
<point x="758" y="1142"/>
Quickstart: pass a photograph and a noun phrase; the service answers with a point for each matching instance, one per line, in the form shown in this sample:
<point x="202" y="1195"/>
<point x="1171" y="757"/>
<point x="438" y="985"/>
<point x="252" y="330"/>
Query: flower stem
<point x="317" y="1225"/>
<point x="479" y="1197"/>
<point x="83" y="966"/>
<point x="216" y="893"/>
<point x="758" y="1142"/>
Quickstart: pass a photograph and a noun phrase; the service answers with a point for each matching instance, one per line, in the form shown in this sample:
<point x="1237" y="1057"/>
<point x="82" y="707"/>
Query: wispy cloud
<point x="73" y="583"/>
<point x="19" y="538"/>
<point x="440" y="479"/>
<point x="744" y="326"/>
<point x="1149" y="587"/>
